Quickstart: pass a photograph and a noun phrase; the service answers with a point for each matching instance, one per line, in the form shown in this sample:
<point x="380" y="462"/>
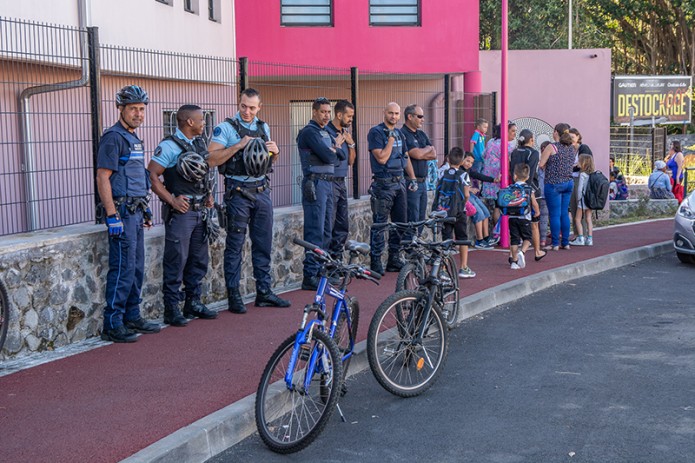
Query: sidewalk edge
<point x="226" y="427"/>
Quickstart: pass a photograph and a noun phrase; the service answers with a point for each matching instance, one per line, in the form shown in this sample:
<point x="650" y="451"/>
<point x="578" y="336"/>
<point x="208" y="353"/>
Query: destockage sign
<point x="665" y="100"/>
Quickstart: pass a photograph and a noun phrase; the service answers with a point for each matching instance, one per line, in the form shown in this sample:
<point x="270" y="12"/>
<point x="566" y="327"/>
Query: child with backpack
<point x="451" y="195"/>
<point x="520" y="232"/>
<point x="586" y="168"/>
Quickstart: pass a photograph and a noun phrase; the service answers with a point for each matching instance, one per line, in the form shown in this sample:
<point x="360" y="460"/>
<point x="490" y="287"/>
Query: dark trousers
<point x="417" y="204"/>
<point x="126" y="271"/>
<point x="256" y="216"/>
<point x="318" y="221"/>
<point x="388" y="200"/>
<point x="341" y="223"/>
<point x="185" y="256"/>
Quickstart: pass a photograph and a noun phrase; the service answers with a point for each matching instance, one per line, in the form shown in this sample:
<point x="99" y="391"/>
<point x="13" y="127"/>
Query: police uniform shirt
<point x="225" y="135"/>
<point x="417" y="139"/>
<point x="342" y="151"/>
<point x="311" y="138"/>
<point x="113" y="146"/>
<point x="377" y="138"/>
<point x="168" y="152"/>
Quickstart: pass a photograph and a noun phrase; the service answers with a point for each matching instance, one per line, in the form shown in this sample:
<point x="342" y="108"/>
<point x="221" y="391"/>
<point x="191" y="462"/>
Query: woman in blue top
<point x="558" y="160"/>
<point x="674" y="161"/>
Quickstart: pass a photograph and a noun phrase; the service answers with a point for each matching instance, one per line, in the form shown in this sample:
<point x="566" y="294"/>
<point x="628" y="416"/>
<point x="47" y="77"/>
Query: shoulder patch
<point x="157" y="151"/>
<point x="217" y="131"/>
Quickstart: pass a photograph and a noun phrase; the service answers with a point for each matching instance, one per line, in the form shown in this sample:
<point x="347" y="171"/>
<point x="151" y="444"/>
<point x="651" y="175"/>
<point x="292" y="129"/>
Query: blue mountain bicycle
<point x="303" y="379"/>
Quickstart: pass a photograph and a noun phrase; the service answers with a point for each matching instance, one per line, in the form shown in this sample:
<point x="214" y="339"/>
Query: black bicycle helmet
<point x="131" y="94"/>
<point x="256" y="158"/>
<point x="191" y="166"/>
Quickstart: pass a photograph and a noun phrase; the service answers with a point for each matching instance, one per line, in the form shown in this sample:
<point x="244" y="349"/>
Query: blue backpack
<point x="449" y="193"/>
<point x="515" y="200"/>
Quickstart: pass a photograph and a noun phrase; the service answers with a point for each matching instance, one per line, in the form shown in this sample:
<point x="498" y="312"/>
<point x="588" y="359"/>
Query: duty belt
<point x="395" y="179"/>
<point x="132" y="203"/>
<point x="339" y="179"/>
<point x="420" y="179"/>
<point x="328" y="177"/>
<point x="196" y="203"/>
<point x="257" y="186"/>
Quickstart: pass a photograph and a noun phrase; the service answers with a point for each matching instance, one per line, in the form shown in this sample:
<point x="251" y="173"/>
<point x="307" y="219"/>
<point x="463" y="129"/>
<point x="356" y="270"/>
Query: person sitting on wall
<point x="659" y="182"/>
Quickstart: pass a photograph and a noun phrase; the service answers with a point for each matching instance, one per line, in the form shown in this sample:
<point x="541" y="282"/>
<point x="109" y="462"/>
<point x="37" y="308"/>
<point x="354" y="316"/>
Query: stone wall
<point x="644" y="204"/>
<point x="55" y="278"/>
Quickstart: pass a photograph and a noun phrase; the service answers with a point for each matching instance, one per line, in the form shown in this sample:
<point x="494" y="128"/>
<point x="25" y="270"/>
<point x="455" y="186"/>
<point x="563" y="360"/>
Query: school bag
<point x="448" y="196"/>
<point x="623" y="192"/>
<point x="596" y="193"/>
<point x="515" y="200"/>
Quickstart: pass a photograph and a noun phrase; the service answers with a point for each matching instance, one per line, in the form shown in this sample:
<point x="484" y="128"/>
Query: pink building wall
<point x="572" y="86"/>
<point x="446" y="41"/>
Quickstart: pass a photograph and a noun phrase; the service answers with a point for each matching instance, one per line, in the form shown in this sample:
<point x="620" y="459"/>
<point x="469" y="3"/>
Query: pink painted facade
<point x="572" y="86"/>
<point x="446" y="41"/>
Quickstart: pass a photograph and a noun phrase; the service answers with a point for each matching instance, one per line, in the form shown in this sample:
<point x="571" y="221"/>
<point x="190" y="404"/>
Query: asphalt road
<point x="600" y="370"/>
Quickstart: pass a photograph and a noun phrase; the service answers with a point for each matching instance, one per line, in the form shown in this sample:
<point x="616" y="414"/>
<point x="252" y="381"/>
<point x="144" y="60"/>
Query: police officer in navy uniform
<point x="186" y="195"/>
<point x="319" y="154"/>
<point x="391" y="171"/>
<point x="344" y="113"/>
<point x="123" y="186"/>
<point x="248" y="202"/>
<point x="420" y="150"/>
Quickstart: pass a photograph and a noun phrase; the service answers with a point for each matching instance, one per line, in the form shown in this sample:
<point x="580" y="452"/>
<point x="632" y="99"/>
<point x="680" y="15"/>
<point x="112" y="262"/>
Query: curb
<point x="228" y="426"/>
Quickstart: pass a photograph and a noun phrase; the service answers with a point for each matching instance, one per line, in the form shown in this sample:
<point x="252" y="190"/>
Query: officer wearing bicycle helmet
<point x="391" y="167"/>
<point x="123" y="186"/>
<point x="319" y="153"/>
<point x="186" y="197"/>
<point x="247" y="199"/>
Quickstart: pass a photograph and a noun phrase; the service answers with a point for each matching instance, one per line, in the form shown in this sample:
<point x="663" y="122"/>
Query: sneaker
<point x="521" y="259"/>
<point x="578" y="241"/>
<point x="493" y="240"/>
<point x="565" y="246"/>
<point x="119" y="334"/>
<point x="466" y="272"/>
<point x="482" y="244"/>
<point x="515" y="266"/>
<point x="589" y="241"/>
<point x="141" y="326"/>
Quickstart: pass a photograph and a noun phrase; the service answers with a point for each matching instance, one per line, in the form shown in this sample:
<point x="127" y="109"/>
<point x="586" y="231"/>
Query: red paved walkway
<point x="108" y="403"/>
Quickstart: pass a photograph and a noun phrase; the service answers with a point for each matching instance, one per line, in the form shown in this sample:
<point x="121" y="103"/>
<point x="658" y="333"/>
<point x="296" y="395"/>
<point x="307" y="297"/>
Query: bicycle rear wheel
<point x="4" y="314"/>
<point x="401" y="364"/>
<point x="290" y="418"/>
<point x="450" y="291"/>
<point x="409" y="276"/>
<point x="342" y="334"/>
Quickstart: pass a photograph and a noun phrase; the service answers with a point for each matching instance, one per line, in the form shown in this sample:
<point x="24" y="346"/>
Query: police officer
<point x="186" y="197"/>
<point x="319" y="154"/>
<point x="388" y="157"/>
<point x="344" y="113"/>
<point x="420" y="151"/>
<point x="123" y="186"/>
<point x="247" y="199"/>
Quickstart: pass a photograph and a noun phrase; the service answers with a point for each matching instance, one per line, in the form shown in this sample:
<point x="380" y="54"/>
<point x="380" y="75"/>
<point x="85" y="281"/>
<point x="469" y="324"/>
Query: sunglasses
<point x="420" y="116"/>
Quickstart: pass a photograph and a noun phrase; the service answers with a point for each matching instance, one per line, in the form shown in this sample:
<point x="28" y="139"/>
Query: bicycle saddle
<point x="439" y="214"/>
<point x="362" y="248"/>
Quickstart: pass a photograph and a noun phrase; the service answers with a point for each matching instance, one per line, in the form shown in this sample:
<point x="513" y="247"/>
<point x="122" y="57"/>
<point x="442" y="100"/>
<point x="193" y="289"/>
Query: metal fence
<point x="635" y="149"/>
<point x="69" y="80"/>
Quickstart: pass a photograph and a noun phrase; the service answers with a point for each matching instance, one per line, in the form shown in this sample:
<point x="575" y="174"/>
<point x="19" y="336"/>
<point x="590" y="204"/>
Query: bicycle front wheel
<point x="450" y="291"/>
<point x="409" y="276"/>
<point x="290" y="417"/>
<point x="402" y="363"/>
<point x="4" y="314"/>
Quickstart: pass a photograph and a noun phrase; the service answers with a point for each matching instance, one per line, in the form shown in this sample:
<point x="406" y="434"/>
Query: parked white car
<point x="684" y="230"/>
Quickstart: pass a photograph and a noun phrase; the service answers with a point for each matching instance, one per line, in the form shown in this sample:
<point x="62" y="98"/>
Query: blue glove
<point x="412" y="185"/>
<point x="115" y="225"/>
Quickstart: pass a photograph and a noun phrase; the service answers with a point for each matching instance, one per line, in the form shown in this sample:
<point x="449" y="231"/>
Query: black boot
<point x="235" y="303"/>
<point x="377" y="266"/>
<point x="270" y="299"/>
<point x="394" y="264"/>
<point x="173" y="317"/>
<point x="194" y="308"/>
<point x="310" y="283"/>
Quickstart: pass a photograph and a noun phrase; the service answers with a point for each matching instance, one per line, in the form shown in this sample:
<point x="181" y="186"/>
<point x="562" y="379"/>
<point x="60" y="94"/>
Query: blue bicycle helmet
<point x="131" y="94"/>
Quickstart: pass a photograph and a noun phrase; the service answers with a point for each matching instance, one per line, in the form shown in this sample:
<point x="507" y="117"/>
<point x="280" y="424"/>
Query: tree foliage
<point x="646" y="36"/>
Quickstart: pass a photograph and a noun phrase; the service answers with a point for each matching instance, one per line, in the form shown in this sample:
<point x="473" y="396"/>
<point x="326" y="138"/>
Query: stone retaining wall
<point x="55" y="278"/>
<point x="653" y="206"/>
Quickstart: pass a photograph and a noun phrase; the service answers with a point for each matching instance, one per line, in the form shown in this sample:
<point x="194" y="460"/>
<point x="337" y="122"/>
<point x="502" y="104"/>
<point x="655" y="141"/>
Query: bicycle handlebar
<point x="427" y="222"/>
<point x="357" y="271"/>
<point x="309" y="247"/>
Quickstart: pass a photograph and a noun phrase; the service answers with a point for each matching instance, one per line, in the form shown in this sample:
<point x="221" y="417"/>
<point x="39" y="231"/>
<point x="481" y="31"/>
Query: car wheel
<point x="686" y="258"/>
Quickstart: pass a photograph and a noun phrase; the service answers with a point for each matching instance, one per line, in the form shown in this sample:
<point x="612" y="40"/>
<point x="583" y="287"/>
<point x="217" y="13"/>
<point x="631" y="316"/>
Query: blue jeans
<point x="482" y="212"/>
<point x="558" y="196"/>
